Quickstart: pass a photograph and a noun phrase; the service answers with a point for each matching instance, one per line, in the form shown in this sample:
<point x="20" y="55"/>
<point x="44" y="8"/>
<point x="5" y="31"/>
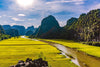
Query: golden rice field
<point x="15" y="49"/>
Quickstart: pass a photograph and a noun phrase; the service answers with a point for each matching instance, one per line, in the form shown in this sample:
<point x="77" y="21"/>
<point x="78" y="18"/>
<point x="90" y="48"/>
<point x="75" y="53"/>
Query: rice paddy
<point x="15" y="49"/>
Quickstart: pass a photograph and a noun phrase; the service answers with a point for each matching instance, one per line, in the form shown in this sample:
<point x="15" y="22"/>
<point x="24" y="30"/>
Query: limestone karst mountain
<point x="48" y="27"/>
<point x="21" y="29"/>
<point x="31" y="28"/>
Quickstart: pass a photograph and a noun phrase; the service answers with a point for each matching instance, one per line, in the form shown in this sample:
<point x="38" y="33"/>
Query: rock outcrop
<point x="32" y="63"/>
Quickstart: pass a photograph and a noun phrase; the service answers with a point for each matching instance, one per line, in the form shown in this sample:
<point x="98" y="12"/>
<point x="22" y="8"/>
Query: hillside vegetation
<point x="87" y="27"/>
<point x="2" y="34"/>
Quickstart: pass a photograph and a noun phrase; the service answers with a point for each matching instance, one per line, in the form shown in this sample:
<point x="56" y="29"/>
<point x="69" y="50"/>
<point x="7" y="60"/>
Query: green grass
<point x="91" y="50"/>
<point x="15" y="49"/>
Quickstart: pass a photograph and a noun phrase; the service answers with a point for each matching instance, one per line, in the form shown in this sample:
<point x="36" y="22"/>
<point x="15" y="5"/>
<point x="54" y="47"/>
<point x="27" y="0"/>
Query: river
<point x="77" y="57"/>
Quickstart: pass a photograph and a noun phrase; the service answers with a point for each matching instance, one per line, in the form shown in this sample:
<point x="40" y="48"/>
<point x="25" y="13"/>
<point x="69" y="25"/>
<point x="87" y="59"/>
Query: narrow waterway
<point x="79" y="58"/>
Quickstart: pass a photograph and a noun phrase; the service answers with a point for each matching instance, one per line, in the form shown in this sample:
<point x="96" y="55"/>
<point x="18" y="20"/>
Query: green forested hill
<point x="87" y="26"/>
<point x="49" y="26"/>
<point x="71" y="21"/>
<point x="2" y="34"/>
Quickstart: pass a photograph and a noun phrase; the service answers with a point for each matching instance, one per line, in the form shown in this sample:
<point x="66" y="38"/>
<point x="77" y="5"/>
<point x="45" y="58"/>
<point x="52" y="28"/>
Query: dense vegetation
<point x="87" y="27"/>
<point x="12" y="32"/>
<point x="2" y="34"/>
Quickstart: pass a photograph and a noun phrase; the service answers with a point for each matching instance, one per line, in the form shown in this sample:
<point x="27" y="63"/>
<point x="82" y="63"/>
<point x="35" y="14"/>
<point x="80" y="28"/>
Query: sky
<point x="31" y="12"/>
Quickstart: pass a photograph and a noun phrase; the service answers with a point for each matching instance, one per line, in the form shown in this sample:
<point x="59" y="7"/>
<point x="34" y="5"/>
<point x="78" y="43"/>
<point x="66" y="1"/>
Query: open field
<point x="91" y="50"/>
<point x="15" y="49"/>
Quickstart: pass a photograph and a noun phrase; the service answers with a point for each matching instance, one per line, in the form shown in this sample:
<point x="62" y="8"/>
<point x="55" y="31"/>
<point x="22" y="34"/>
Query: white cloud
<point x="62" y="24"/>
<point x="97" y="6"/>
<point x="41" y="8"/>
<point x="45" y="8"/>
<point x="93" y="7"/>
<point x="30" y="19"/>
<point x="21" y="15"/>
<point x="78" y="3"/>
<point x="13" y="24"/>
<point x="9" y="16"/>
<point x="58" y="2"/>
<point x="4" y="15"/>
<point x="67" y="1"/>
<point x="0" y="16"/>
<point x="16" y="19"/>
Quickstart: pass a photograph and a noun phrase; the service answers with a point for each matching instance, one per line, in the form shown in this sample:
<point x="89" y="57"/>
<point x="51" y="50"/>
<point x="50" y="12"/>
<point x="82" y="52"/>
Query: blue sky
<point x="13" y="14"/>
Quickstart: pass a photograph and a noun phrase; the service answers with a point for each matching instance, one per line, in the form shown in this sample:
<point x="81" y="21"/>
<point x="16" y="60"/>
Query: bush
<point x="3" y="36"/>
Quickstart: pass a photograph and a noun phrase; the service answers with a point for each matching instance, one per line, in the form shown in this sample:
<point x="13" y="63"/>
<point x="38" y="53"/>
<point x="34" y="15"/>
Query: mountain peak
<point x="48" y="25"/>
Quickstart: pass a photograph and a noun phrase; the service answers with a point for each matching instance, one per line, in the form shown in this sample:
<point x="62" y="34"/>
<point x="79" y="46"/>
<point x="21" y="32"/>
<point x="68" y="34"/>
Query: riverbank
<point x="90" y="50"/>
<point x="92" y="43"/>
<point x="78" y="57"/>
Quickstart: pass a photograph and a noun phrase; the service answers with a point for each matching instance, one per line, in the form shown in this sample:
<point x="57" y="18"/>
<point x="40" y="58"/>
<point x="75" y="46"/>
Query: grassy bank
<point x="15" y="49"/>
<point x="92" y="43"/>
<point x="91" y="50"/>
